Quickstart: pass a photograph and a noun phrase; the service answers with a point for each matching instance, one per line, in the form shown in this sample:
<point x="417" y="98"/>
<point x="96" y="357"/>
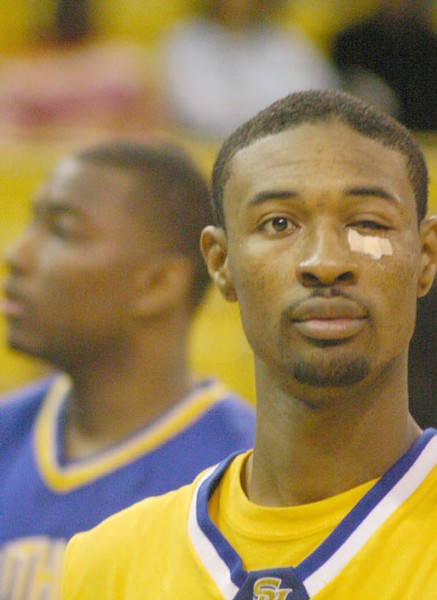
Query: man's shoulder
<point x="26" y="395"/>
<point x="227" y="399"/>
<point x="231" y="404"/>
<point x="225" y="404"/>
<point x="128" y="546"/>
<point x="139" y="523"/>
<point x="144" y="547"/>
<point x="230" y="414"/>
<point x="19" y="408"/>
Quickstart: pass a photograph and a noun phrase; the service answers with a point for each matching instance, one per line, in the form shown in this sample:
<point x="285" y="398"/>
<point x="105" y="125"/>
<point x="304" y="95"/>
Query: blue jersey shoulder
<point x="18" y="409"/>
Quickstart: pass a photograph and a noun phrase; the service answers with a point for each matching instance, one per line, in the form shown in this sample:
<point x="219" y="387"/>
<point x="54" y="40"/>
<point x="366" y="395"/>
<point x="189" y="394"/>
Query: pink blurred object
<point x="90" y="86"/>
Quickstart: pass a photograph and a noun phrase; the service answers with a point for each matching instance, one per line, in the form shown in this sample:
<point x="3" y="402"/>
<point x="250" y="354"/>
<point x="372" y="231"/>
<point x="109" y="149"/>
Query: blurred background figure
<point x="390" y="59"/>
<point x="68" y="79"/>
<point x="232" y="60"/>
<point x="103" y="285"/>
<point x="422" y="372"/>
<point x="98" y="90"/>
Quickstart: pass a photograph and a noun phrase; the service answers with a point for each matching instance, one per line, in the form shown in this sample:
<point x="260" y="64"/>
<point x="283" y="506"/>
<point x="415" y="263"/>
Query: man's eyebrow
<point x="272" y="195"/>
<point x="41" y="204"/>
<point x="371" y="191"/>
<point x="375" y="191"/>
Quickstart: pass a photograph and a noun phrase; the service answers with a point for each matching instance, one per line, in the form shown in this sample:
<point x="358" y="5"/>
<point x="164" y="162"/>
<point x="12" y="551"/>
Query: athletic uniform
<point x="206" y="541"/>
<point x="44" y="500"/>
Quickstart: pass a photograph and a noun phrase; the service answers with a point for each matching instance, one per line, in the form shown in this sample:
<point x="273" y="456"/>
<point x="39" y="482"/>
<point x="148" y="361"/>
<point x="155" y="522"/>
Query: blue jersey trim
<point x="224" y="549"/>
<point x="333" y="542"/>
<point x="363" y="507"/>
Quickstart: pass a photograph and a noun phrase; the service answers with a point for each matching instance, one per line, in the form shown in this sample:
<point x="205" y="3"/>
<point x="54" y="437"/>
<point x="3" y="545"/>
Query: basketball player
<point x="103" y="285"/>
<point x="321" y="237"/>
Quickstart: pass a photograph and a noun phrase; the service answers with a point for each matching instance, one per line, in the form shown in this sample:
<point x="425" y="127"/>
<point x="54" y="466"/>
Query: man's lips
<point x="12" y="308"/>
<point x="13" y="304"/>
<point x="328" y="318"/>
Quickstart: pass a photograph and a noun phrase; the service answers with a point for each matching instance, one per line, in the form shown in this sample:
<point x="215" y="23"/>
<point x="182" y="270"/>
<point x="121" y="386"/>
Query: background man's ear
<point x="164" y="284"/>
<point x="428" y="236"/>
<point x="213" y="245"/>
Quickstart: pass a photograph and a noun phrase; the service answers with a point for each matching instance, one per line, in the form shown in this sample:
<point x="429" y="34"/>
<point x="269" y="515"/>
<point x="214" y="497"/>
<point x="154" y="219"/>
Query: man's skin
<point x="329" y="323"/>
<point x="93" y="291"/>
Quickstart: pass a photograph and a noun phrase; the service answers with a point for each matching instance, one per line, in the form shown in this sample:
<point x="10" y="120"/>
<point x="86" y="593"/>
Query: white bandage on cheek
<point x="372" y="245"/>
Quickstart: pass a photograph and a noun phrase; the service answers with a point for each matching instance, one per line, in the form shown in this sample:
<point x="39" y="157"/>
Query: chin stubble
<point x="335" y="373"/>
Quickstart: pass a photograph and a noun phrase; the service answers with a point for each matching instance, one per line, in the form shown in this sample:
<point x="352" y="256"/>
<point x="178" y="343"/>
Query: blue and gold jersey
<point x="207" y="541"/>
<point x="44" y="500"/>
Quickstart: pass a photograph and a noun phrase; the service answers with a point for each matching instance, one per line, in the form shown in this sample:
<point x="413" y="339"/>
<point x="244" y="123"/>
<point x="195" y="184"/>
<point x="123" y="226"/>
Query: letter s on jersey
<point x="268" y="588"/>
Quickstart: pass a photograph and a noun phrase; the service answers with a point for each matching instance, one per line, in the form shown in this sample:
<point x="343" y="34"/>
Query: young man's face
<point x="322" y="252"/>
<point x="72" y="274"/>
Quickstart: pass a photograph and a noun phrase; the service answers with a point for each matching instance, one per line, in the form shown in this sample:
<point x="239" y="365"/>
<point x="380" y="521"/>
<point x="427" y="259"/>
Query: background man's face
<point x="72" y="273"/>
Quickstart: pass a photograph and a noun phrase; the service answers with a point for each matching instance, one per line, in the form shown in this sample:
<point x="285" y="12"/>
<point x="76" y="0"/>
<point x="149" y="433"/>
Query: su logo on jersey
<point x="268" y="588"/>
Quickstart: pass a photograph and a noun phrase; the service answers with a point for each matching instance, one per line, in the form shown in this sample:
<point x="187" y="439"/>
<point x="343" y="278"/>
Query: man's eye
<point x="277" y="225"/>
<point x="58" y="230"/>
<point x="62" y="228"/>
<point x="369" y="224"/>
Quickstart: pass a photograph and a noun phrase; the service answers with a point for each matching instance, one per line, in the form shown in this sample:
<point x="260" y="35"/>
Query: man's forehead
<point x="325" y="141"/>
<point x="320" y="158"/>
<point x="74" y="176"/>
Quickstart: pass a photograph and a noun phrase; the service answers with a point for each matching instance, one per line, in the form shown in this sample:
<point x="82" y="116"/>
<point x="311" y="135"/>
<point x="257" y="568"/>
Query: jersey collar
<point x="224" y="565"/>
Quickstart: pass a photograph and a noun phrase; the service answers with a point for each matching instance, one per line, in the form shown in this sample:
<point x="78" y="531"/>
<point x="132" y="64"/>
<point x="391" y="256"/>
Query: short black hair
<point x="315" y="106"/>
<point x="170" y="188"/>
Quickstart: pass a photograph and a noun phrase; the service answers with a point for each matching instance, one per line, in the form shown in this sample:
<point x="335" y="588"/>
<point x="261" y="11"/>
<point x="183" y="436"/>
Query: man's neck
<point x="106" y="406"/>
<point x="305" y="452"/>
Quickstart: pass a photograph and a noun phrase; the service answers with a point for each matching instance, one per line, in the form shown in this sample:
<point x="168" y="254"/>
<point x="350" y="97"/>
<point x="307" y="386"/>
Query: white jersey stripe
<point x="225" y="567"/>
<point x="382" y="511"/>
<point x="208" y="555"/>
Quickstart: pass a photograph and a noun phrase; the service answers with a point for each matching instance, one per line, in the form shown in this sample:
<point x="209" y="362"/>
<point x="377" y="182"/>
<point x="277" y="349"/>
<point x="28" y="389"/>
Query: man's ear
<point x="164" y="284"/>
<point x="214" y="247"/>
<point x="428" y="237"/>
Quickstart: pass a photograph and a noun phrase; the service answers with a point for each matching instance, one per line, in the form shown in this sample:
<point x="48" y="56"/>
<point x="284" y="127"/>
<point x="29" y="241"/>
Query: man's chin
<point x="332" y="374"/>
<point x="18" y="344"/>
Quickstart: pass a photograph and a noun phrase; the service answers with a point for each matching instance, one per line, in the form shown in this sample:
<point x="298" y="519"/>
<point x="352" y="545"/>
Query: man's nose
<point x="327" y="258"/>
<point x="18" y="254"/>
